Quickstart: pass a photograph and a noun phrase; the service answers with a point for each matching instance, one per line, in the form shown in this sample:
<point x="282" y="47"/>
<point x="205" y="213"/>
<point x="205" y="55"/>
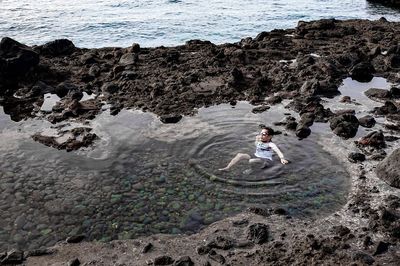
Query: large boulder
<point x="377" y="94"/>
<point x="362" y="72"/>
<point x="58" y="47"/>
<point x="345" y="125"/>
<point x="15" y="58"/>
<point x="389" y="169"/>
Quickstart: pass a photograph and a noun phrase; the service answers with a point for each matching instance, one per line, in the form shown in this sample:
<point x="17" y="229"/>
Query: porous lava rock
<point x="367" y="121"/>
<point x="389" y="169"/>
<point x="345" y="125"/>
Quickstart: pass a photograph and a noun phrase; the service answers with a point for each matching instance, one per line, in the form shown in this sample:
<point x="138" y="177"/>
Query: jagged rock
<point x="64" y="88"/>
<point x="216" y="257"/>
<point x="58" y="47"/>
<point x="355" y="157"/>
<point x="221" y="242"/>
<point x="75" y="239"/>
<point x="110" y="88"/>
<point x="302" y="131"/>
<point x="129" y="59"/>
<point x="16" y="59"/>
<point x="389" y="169"/>
<point x="12" y="257"/>
<point x="163" y="260"/>
<point x="388" y="108"/>
<point x="345" y="125"/>
<point x="362" y="72"/>
<point x="381" y="248"/>
<point x="170" y="119"/>
<point x="395" y="92"/>
<point x="201" y="250"/>
<point x="363" y="258"/>
<point x="74" y="262"/>
<point x="377" y="94"/>
<point x="367" y="121"/>
<point x="260" y="109"/>
<point x="341" y="230"/>
<point x="184" y="261"/>
<point x="258" y="233"/>
<point x="375" y="139"/>
<point x="147" y="247"/>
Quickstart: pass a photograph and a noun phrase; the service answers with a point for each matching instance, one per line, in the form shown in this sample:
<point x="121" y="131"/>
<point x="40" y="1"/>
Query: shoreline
<point x="301" y="65"/>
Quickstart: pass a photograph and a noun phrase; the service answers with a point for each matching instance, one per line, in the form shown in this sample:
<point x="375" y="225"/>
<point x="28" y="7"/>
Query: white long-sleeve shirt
<point x="265" y="150"/>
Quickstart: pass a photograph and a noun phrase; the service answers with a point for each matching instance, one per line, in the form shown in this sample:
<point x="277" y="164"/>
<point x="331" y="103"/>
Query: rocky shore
<point x="301" y="65"/>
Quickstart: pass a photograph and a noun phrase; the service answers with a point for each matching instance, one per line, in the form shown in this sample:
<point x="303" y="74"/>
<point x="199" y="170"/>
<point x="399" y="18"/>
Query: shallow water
<point x="146" y="177"/>
<point x="151" y="23"/>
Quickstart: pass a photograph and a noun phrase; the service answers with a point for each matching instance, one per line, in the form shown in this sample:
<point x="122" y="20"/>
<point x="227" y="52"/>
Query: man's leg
<point x="235" y="160"/>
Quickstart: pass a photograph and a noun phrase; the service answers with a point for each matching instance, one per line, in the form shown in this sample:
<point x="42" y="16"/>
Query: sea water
<point x="150" y="23"/>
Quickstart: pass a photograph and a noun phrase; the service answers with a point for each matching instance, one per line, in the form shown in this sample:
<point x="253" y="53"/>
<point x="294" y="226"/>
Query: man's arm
<point x="280" y="154"/>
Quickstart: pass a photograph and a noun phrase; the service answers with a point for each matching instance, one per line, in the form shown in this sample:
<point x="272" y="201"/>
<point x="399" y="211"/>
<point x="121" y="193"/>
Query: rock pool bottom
<point x="144" y="177"/>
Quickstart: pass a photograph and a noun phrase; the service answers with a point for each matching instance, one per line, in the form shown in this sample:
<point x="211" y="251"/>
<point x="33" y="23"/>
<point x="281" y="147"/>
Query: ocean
<point x="153" y="23"/>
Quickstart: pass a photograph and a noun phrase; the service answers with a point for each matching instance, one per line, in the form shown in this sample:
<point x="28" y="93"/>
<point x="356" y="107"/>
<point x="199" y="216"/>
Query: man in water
<point x="264" y="150"/>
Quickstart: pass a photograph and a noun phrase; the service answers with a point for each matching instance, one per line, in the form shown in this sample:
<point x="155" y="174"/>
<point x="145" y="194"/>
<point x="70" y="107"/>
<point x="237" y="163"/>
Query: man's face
<point x="265" y="135"/>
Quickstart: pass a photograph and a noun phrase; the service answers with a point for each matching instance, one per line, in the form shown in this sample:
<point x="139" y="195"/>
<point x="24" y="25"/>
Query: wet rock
<point x="389" y="169"/>
<point x="184" y="261"/>
<point x="381" y="248"/>
<point x="302" y="131"/>
<point x="74" y="262"/>
<point x="57" y="48"/>
<point x="12" y="257"/>
<point x="163" y="260"/>
<point x="170" y="119"/>
<point x="395" y="92"/>
<point x="75" y="239"/>
<point x="374" y="139"/>
<point x="345" y="125"/>
<point x="362" y="72"/>
<point x="63" y="88"/>
<point x="237" y="75"/>
<point x="377" y="94"/>
<point x="221" y="242"/>
<point x="240" y="222"/>
<point x="363" y="258"/>
<point x="147" y="247"/>
<point x="367" y="121"/>
<point x="280" y="211"/>
<point x="202" y="250"/>
<point x="135" y="48"/>
<point x="258" y="233"/>
<point x="388" y="108"/>
<point x="345" y="99"/>
<point x="94" y="70"/>
<point x="260" y="109"/>
<point x="356" y="157"/>
<point x="16" y="59"/>
<point x="216" y="257"/>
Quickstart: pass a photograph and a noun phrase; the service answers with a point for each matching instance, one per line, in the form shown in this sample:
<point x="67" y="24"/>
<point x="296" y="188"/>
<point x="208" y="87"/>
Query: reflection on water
<point x="146" y="177"/>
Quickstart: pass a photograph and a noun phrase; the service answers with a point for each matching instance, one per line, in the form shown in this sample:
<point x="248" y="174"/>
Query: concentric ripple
<point x="145" y="177"/>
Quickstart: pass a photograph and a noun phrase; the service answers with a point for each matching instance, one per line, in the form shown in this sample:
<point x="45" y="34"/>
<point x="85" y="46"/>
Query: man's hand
<point x="284" y="161"/>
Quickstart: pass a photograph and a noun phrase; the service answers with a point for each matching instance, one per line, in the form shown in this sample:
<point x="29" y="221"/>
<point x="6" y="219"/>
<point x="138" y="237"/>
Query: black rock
<point x="381" y="248"/>
<point x="12" y="257"/>
<point x="240" y="222"/>
<point x="379" y="94"/>
<point x="75" y="239"/>
<point x="395" y="92"/>
<point x="355" y="157"/>
<point x="74" y="262"/>
<point x="163" y="260"/>
<point x="39" y="252"/>
<point x="221" y="242"/>
<point x="389" y="169"/>
<point x="201" y="250"/>
<point x="374" y="139"/>
<point x="147" y="247"/>
<point x="363" y="258"/>
<point x="58" y="47"/>
<point x="341" y="230"/>
<point x="345" y="125"/>
<point x="260" y="109"/>
<point x="216" y="257"/>
<point x="280" y="211"/>
<point x="170" y="119"/>
<point x="16" y="59"/>
<point x="388" y="108"/>
<point x="258" y="233"/>
<point x="367" y="121"/>
<point x="64" y="88"/>
<point x="110" y="88"/>
<point x="184" y="261"/>
<point x="259" y="211"/>
<point x="362" y="72"/>
<point x="302" y="131"/>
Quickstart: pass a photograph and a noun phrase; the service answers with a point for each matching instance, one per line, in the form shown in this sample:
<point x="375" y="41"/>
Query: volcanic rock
<point x="355" y="157"/>
<point x="389" y="169"/>
<point x="57" y="48"/>
<point x="362" y="72"/>
<point x="377" y="94"/>
<point x="388" y="108"/>
<point x="375" y="139"/>
<point x="163" y="260"/>
<point x="184" y="261"/>
<point x="258" y="233"/>
<point x="367" y="121"/>
<point x="345" y="125"/>
<point x="16" y="59"/>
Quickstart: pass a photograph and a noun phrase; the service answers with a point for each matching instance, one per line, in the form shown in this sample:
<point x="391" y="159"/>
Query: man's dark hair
<point x="269" y="130"/>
